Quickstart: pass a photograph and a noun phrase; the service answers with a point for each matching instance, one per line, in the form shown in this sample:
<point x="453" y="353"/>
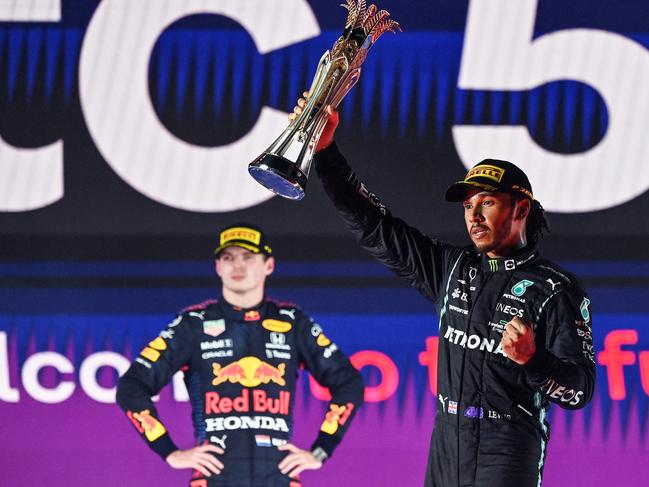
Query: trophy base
<point x="279" y="175"/>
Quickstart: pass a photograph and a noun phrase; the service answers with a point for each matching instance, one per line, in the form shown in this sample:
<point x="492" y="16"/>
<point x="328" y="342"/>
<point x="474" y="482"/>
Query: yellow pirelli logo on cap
<point x="241" y="233"/>
<point x="486" y="171"/>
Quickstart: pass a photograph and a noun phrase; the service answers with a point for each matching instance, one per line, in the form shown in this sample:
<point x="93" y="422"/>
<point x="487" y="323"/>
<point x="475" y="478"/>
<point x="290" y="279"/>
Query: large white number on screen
<point x="122" y="121"/>
<point x="500" y="54"/>
<point x="30" y="178"/>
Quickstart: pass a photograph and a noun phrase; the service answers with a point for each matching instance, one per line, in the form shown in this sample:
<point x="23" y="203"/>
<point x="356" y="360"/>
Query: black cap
<point x="492" y="175"/>
<point x="246" y="236"/>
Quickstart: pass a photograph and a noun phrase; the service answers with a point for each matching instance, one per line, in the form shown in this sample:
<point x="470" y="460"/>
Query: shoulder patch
<point x="277" y="325"/>
<point x="175" y="322"/>
<point x="199" y="306"/>
<point x="554" y="285"/>
<point x="282" y="304"/>
<point x="559" y="274"/>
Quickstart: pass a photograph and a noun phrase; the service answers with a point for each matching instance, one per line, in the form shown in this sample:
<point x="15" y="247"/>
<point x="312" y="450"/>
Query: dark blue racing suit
<point x="240" y="368"/>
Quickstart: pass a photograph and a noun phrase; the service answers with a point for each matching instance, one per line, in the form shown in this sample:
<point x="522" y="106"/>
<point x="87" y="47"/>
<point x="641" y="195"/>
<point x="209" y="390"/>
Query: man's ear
<point x="217" y="268"/>
<point x="523" y="209"/>
<point x="270" y="265"/>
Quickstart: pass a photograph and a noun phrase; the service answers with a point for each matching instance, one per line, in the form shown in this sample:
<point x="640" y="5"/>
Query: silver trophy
<point x="284" y="167"/>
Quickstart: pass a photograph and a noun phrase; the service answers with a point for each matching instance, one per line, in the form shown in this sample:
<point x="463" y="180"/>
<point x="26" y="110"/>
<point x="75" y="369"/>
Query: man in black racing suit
<point x="514" y="328"/>
<point x="240" y="356"/>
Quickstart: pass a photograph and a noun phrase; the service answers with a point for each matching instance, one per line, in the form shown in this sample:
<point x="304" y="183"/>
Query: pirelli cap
<point x="492" y="175"/>
<point x="246" y="236"/>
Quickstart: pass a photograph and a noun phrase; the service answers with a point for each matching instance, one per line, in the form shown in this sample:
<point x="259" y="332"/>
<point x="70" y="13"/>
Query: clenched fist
<point x="518" y="341"/>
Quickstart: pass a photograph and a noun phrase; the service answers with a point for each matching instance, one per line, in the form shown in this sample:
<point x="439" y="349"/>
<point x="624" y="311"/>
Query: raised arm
<point x="413" y="256"/>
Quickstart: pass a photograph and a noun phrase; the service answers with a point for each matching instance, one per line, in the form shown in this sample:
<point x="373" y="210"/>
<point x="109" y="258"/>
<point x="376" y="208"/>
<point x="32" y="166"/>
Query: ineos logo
<point x="510" y="310"/>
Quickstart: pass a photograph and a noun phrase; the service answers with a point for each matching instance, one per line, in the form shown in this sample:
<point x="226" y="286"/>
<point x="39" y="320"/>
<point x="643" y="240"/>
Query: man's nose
<point x="475" y="215"/>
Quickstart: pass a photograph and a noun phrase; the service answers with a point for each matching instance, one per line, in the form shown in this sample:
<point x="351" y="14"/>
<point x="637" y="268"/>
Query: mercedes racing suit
<point x="490" y="424"/>
<point x="240" y="368"/>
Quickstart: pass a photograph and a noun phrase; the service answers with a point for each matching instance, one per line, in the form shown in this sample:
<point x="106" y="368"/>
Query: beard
<point x="496" y="237"/>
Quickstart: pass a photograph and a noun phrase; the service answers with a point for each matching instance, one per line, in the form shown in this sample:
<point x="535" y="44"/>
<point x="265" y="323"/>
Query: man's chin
<point x="239" y="289"/>
<point x="483" y="247"/>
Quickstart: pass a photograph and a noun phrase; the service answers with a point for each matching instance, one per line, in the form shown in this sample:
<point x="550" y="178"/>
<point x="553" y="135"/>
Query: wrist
<point x="319" y="454"/>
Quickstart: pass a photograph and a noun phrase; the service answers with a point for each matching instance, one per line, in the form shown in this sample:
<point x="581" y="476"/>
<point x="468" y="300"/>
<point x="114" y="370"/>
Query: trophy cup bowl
<point x="284" y="167"/>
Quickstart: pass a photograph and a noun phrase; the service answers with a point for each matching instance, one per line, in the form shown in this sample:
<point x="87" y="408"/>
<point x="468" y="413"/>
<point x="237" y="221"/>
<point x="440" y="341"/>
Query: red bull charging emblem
<point x="249" y="372"/>
<point x="146" y="423"/>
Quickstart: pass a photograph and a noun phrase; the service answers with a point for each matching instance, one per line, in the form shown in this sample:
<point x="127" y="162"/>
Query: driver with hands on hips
<point x="240" y="356"/>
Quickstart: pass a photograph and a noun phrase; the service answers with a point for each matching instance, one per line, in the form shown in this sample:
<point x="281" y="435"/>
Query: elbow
<point x="129" y="390"/>
<point x="579" y="398"/>
<point x="356" y="389"/>
<point x="360" y="388"/>
<point x="587" y="395"/>
<point x="121" y="395"/>
<point x="579" y="402"/>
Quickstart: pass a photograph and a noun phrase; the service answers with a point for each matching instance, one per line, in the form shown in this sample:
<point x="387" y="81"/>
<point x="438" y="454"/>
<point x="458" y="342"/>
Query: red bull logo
<point x="258" y="402"/>
<point x="147" y="424"/>
<point x="252" y="316"/>
<point x="336" y="416"/>
<point x="249" y="372"/>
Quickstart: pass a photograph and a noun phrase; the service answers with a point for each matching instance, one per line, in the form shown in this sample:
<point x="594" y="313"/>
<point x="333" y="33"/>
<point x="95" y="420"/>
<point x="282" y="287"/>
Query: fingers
<point x="518" y="341"/>
<point x="288" y="458"/>
<point x="520" y="327"/>
<point x="201" y="458"/>
<point x="520" y="324"/>
<point x="288" y="447"/>
<point x="212" y="448"/>
<point x="206" y="463"/>
<point x="510" y="334"/>
<point x="333" y="114"/>
<point x="517" y="327"/>
<point x="297" y="461"/>
<point x="286" y="462"/>
<point x="297" y="110"/>
<point x="296" y="471"/>
<point x="202" y="469"/>
<point x="205" y="454"/>
<point x="327" y="135"/>
<point x="292" y="462"/>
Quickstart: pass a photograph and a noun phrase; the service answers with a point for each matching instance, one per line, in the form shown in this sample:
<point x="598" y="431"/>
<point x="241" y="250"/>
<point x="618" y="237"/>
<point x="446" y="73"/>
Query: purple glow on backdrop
<point x="82" y="442"/>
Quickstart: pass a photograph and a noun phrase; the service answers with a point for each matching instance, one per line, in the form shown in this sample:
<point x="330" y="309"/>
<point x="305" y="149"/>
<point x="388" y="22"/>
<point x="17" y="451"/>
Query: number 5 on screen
<point x="500" y="54"/>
